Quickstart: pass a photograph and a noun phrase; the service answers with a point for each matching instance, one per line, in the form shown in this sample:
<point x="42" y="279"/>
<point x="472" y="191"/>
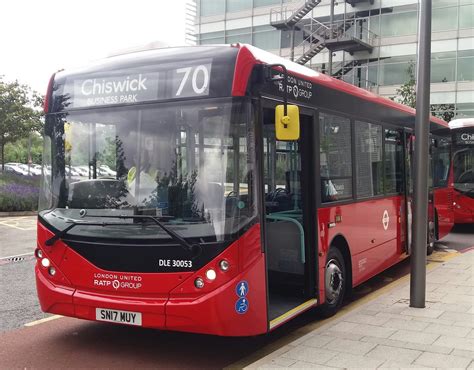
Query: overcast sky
<point x="38" y="37"/>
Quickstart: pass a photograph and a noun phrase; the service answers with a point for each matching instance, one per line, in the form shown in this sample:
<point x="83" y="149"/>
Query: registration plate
<point x="123" y="317"/>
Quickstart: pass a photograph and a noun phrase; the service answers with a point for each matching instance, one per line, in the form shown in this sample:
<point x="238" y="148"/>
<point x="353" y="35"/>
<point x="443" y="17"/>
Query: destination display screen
<point x="464" y="137"/>
<point x="139" y="84"/>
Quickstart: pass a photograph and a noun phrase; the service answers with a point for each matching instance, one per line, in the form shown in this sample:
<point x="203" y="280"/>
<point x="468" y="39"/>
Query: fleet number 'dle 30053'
<point x="175" y="263"/>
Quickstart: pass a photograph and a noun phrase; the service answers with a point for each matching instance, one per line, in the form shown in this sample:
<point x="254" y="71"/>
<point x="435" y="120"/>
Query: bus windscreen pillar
<point x="420" y="223"/>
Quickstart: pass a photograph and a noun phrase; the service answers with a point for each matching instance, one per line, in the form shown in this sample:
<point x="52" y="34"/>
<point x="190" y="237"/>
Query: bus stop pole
<point x="422" y="121"/>
<point x="331" y="21"/>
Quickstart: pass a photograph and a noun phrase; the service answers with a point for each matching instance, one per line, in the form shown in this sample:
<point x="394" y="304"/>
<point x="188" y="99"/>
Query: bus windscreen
<point x="188" y="164"/>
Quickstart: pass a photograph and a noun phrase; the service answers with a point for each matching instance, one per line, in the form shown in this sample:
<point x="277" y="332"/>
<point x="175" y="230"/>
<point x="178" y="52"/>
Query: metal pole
<point x="292" y="43"/>
<point x="331" y="21"/>
<point x="420" y="215"/>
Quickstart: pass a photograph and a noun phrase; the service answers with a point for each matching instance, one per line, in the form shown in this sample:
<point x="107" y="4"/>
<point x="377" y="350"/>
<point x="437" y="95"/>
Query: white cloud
<point x="40" y="37"/>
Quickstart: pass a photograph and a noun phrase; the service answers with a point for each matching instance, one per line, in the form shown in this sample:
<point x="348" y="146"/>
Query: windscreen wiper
<point x="73" y="223"/>
<point x="194" y="249"/>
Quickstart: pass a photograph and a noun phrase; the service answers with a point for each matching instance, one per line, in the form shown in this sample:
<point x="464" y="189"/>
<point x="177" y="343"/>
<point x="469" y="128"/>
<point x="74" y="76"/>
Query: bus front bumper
<point x="211" y="313"/>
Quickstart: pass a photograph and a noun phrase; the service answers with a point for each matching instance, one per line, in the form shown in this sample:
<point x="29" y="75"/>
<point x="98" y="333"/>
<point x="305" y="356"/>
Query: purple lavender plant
<point x="18" y="193"/>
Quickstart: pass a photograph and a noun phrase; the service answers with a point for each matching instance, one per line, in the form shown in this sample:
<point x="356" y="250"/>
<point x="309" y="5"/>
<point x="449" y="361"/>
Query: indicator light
<point x="45" y="262"/>
<point x="224" y="265"/>
<point x="199" y="283"/>
<point x="39" y="253"/>
<point x="211" y="274"/>
<point x="52" y="271"/>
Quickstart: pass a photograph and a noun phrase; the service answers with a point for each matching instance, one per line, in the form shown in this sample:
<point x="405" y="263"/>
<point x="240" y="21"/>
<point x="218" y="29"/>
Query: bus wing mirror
<point x="287" y="122"/>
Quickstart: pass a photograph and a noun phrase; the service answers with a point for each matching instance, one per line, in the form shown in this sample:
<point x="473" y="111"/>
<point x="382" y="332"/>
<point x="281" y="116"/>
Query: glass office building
<point x="393" y="25"/>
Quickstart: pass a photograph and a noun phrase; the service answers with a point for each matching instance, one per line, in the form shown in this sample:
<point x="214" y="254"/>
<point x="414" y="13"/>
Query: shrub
<point x="18" y="193"/>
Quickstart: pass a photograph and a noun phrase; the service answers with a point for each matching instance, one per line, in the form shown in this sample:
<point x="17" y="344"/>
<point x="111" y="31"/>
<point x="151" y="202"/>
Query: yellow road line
<point x="16" y="222"/>
<point x="46" y="319"/>
<point x="440" y="257"/>
<point x="291" y="337"/>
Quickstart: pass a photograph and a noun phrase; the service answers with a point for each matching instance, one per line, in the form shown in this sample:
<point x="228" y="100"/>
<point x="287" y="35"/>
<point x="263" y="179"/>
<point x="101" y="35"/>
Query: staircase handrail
<point x="319" y="31"/>
<point x="339" y="31"/>
<point x="276" y="14"/>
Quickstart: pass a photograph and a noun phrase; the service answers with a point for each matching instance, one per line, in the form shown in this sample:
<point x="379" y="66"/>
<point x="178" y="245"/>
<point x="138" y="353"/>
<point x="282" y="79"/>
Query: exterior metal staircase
<point x="349" y="35"/>
<point x="342" y="68"/>
<point x="284" y="18"/>
<point x="314" y="38"/>
<point x="355" y="2"/>
<point x="316" y="35"/>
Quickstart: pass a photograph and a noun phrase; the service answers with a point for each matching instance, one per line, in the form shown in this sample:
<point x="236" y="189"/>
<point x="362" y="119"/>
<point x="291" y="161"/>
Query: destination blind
<point x="139" y="84"/>
<point x="464" y="137"/>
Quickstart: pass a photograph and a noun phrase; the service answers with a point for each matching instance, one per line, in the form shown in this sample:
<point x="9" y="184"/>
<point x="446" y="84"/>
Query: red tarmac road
<point x="67" y="342"/>
<point x="73" y="343"/>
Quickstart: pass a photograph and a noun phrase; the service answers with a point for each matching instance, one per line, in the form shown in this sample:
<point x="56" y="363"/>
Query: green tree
<point x="19" y="113"/>
<point x="19" y="150"/>
<point x="406" y="94"/>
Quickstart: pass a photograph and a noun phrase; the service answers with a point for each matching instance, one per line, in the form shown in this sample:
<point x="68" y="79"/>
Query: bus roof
<point x="224" y="60"/>
<point x="461" y="122"/>
<point x="249" y="52"/>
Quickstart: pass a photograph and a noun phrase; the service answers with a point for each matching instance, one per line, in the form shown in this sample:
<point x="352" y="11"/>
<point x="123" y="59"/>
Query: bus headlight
<point x="52" y="271"/>
<point x="224" y="265"/>
<point x="199" y="283"/>
<point x="39" y="253"/>
<point x="211" y="274"/>
<point x="45" y="262"/>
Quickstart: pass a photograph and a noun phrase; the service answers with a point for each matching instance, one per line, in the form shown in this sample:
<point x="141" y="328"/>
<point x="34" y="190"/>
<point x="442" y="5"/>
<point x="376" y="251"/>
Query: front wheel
<point x="334" y="283"/>
<point x="432" y="230"/>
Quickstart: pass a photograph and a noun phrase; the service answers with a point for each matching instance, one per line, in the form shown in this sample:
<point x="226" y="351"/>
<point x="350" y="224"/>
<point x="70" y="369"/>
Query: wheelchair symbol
<point x="242" y="305"/>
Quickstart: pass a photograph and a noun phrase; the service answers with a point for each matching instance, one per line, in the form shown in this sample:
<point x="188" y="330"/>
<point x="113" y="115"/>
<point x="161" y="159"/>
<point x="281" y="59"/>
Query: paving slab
<point x="415" y="336"/>
<point x="444" y="361"/>
<point x="350" y="346"/>
<point x="387" y="333"/>
<point x="402" y="355"/>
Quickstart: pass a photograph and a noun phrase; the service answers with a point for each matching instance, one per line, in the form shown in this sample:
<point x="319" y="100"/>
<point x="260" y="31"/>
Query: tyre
<point x="432" y="235"/>
<point x="334" y="283"/>
<point x="429" y="248"/>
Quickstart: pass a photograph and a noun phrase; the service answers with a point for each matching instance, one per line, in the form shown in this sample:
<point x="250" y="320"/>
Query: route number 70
<point x="199" y="85"/>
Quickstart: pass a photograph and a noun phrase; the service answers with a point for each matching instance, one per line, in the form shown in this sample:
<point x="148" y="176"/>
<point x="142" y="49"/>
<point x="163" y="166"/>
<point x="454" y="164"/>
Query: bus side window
<point x="335" y="158"/>
<point x="393" y="158"/>
<point x="369" y="156"/>
<point x="441" y="160"/>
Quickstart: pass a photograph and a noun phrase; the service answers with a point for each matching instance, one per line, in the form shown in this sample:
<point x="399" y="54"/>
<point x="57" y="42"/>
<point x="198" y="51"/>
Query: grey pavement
<point x="387" y="333"/>
<point x="17" y="235"/>
<point x="18" y="298"/>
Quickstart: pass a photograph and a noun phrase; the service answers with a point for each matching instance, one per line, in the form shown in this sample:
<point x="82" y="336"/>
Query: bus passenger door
<point x="290" y="219"/>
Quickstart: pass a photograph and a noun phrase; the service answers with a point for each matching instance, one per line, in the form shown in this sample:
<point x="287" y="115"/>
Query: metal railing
<point x="278" y="15"/>
<point x="313" y="36"/>
<point x="316" y="33"/>
<point x="351" y="29"/>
